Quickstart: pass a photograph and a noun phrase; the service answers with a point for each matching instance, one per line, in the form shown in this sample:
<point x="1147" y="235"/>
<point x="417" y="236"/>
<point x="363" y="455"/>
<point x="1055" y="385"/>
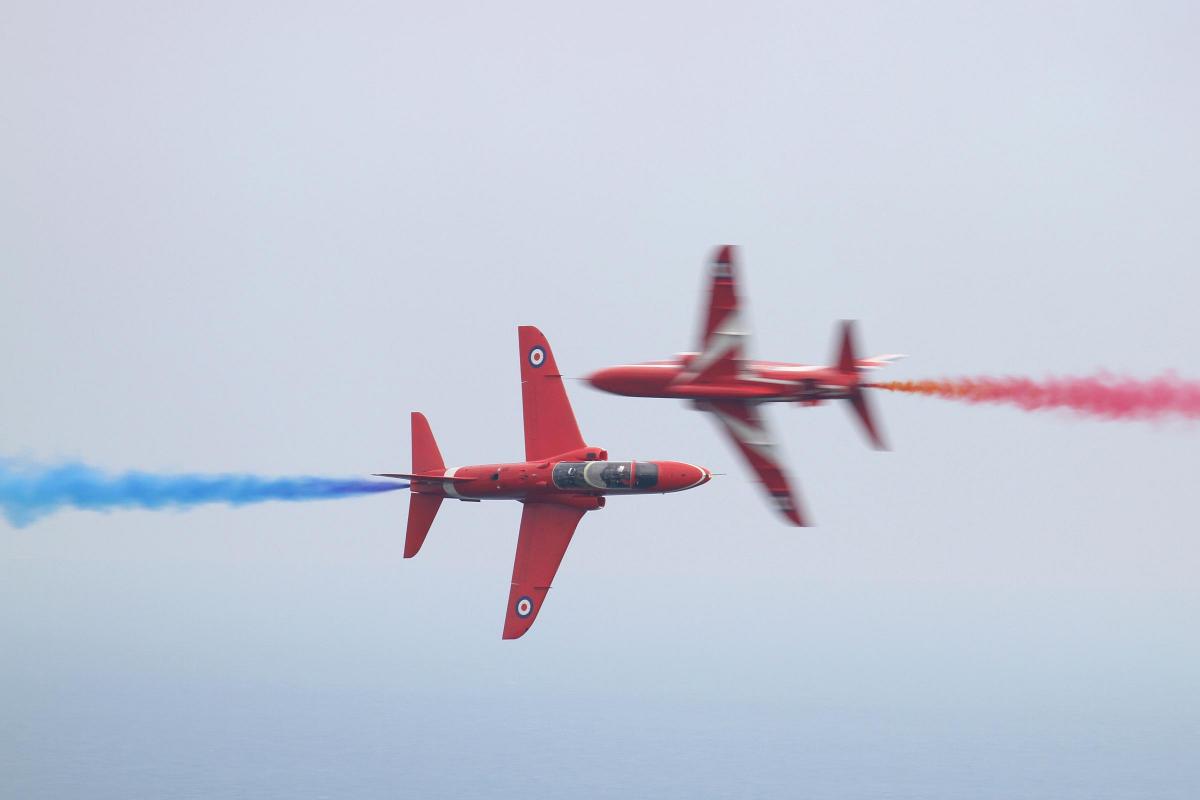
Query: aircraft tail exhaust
<point x="848" y="364"/>
<point x="422" y="508"/>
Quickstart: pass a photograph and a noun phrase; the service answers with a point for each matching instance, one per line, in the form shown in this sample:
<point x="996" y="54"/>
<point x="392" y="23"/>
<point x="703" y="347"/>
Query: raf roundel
<point x="537" y="357"/>
<point x="524" y="606"/>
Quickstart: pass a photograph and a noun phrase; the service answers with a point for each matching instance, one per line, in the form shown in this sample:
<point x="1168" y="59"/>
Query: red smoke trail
<point x="1102" y="396"/>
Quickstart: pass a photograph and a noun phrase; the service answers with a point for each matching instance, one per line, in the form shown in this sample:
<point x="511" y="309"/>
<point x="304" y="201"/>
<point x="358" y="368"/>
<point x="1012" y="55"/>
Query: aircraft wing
<point x="550" y="426"/>
<point x="723" y="340"/>
<point x="546" y="530"/>
<point x="745" y="425"/>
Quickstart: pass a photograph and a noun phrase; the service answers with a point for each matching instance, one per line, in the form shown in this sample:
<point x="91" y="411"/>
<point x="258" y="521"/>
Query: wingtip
<point x="527" y="333"/>
<point x="514" y="632"/>
<point x="790" y="509"/>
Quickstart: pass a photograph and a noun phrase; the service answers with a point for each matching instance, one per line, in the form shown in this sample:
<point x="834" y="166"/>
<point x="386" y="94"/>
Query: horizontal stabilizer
<point x="425" y="454"/>
<point x="849" y="364"/>
<point x="422" y="508"/>
<point x="862" y="410"/>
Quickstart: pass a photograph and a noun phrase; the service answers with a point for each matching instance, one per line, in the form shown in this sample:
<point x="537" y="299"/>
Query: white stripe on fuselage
<point x="772" y="381"/>
<point x="799" y="370"/>
<point x="448" y="486"/>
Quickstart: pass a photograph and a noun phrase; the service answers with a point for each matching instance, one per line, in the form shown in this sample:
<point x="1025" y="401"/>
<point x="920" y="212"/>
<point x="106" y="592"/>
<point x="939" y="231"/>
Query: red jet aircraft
<point x="561" y="479"/>
<point x="720" y="379"/>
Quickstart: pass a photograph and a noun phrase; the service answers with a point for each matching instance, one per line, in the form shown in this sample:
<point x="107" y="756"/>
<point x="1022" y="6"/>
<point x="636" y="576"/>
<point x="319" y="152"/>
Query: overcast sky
<point x="254" y="236"/>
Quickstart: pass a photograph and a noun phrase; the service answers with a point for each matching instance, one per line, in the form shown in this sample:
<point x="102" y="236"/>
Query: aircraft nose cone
<point x="677" y="476"/>
<point x="601" y="379"/>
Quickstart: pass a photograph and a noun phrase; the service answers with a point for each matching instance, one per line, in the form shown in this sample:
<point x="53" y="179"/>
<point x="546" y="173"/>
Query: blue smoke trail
<point x="30" y="491"/>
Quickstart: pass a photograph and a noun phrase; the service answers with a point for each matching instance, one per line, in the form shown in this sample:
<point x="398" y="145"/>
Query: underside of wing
<point x="550" y="427"/>
<point x="546" y="530"/>
<point x="723" y="339"/>
<point x="745" y="425"/>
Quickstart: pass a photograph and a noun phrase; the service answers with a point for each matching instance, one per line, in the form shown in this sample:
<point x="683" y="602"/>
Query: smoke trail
<point x="1101" y="396"/>
<point x="30" y="491"/>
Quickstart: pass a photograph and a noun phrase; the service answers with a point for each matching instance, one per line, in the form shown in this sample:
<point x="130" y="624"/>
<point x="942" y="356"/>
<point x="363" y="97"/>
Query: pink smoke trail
<point x="1103" y="396"/>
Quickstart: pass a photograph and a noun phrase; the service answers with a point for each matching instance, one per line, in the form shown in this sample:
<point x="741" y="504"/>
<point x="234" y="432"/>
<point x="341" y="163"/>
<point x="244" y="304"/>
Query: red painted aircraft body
<point x="720" y="379"/>
<point x="561" y="479"/>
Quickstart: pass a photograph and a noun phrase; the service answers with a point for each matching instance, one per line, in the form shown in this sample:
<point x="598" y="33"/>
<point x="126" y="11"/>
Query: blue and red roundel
<point x="537" y="356"/>
<point x="524" y="606"/>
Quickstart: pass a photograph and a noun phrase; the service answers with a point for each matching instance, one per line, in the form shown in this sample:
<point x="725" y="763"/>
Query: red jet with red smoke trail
<point x="561" y="479"/>
<point x="722" y="380"/>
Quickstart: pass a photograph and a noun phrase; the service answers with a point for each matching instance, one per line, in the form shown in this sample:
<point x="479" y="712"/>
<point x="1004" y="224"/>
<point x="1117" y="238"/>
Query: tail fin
<point x="422" y="508"/>
<point x="847" y="364"/>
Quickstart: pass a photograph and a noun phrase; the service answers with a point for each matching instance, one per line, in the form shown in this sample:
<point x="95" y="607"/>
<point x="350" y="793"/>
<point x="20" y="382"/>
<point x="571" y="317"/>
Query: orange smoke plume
<point x="1101" y="396"/>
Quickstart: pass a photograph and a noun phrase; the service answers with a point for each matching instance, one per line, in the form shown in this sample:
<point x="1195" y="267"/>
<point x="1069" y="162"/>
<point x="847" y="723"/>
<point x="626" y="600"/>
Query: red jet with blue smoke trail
<point x="722" y="380"/>
<point x="560" y="480"/>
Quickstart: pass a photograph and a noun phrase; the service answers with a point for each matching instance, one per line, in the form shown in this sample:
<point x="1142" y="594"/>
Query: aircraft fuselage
<point x="578" y="479"/>
<point x="764" y="381"/>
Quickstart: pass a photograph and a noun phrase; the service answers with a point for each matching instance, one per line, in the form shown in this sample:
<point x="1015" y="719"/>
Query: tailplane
<point x="425" y="454"/>
<point x="849" y="364"/>
<point x="422" y="508"/>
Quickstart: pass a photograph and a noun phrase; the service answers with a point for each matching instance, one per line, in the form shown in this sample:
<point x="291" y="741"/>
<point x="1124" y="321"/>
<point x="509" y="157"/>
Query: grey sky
<point x="256" y="238"/>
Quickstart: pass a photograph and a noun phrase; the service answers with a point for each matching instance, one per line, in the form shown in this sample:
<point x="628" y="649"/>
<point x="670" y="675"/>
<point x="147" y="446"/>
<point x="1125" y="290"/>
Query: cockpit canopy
<point x="605" y="475"/>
